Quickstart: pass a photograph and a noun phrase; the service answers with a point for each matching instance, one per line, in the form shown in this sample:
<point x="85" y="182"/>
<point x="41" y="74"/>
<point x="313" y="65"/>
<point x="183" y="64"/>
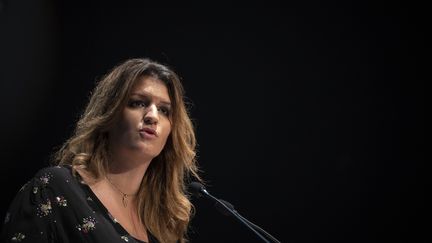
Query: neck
<point x="126" y="174"/>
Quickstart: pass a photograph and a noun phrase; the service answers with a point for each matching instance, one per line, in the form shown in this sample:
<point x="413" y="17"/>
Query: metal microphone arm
<point x="234" y="213"/>
<point x="229" y="205"/>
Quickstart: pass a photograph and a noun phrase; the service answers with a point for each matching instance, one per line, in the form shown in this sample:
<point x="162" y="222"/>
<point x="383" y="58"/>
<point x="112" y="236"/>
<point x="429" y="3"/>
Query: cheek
<point x="166" y="131"/>
<point x="119" y="130"/>
<point x="125" y="124"/>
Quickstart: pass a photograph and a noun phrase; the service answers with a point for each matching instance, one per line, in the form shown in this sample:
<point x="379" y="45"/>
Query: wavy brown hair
<point x="167" y="212"/>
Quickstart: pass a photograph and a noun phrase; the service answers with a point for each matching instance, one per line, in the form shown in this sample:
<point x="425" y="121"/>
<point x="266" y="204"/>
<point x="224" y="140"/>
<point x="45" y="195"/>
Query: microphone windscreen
<point x="196" y="188"/>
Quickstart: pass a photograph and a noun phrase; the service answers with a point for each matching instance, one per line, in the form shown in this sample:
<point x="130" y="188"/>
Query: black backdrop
<point x="310" y="117"/>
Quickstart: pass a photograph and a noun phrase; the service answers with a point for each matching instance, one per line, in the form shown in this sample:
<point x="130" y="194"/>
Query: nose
<point x="151" y="115"/>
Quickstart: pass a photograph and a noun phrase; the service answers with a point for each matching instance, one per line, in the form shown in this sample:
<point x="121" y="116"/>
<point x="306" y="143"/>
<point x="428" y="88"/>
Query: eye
<point x="137" y="103"/>
<point x="165" y="110"/>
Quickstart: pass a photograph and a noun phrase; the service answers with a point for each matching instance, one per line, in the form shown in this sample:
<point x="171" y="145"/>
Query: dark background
<point x="310" y="117"/>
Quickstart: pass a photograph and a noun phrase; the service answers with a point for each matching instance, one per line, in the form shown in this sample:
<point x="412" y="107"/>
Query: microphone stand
<point x="229" y="205"/>
<point x="227" y="210"/>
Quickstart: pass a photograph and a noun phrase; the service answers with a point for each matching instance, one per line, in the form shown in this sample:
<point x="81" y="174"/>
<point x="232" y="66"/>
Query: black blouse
<point x="56" y="206"/>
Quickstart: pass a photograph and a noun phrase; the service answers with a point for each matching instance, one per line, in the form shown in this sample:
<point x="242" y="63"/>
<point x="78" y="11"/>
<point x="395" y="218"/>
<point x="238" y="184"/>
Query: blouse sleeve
<point x="30" y="217"/>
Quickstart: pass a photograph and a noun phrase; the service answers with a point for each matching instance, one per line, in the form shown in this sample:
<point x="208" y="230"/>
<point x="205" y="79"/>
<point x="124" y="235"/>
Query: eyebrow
<point x="144" y="94"/>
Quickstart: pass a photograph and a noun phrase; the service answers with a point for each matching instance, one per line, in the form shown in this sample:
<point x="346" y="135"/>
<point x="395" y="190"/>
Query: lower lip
<point x="147" y="135"/>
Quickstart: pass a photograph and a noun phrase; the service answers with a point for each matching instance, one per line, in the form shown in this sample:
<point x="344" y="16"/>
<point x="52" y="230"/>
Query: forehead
<point x="151" y="86"/>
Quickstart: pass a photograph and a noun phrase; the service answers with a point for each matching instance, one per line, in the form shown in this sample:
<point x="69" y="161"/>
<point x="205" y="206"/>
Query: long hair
<point x="162" y="201"/>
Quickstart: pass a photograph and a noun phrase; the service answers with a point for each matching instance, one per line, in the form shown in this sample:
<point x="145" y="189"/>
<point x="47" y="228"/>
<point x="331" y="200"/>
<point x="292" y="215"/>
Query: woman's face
<point x="144" y="124"/>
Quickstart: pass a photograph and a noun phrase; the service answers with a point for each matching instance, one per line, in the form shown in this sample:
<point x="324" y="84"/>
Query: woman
<point x="121" y="176"/>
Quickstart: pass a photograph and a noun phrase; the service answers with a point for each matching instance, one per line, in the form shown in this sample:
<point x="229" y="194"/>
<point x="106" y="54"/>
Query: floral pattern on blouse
<point x="55" y="207"/>
<point x="61" y="201"/>
<point x="89" y="224"/>
<point x="44" y="209"/>
<point x="45" y="178"/>
<point x="18" y="237"/>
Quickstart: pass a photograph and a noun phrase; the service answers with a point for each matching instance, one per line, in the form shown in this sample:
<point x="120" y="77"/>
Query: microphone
<point x="197" y="188"/>
<point x="222" y="206"/>
<point x="227" y="209"/>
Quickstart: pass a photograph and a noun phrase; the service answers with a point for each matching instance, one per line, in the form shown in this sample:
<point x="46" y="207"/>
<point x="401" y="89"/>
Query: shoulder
<point x="54" y="176"/>
<point x="55" y="172"/>
<point x="37" y="205"/>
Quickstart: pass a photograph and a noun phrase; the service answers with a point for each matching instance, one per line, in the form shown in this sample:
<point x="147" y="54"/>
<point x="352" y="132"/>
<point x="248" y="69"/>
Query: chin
<point x="149" y="152"/>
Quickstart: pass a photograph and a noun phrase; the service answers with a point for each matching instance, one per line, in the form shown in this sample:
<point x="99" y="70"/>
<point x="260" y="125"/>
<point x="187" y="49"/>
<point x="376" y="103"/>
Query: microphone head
<point x="196" y="188"/>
